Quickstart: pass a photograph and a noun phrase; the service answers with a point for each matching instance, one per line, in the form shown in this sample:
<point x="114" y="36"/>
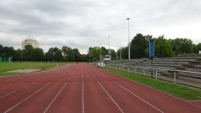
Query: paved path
<point x="82" y="88"/>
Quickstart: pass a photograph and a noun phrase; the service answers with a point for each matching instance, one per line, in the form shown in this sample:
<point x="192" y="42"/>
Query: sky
<point x="87" y="23"/>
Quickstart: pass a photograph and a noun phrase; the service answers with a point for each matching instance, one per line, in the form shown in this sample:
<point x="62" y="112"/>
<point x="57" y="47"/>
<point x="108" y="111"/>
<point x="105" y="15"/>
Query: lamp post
<point x="100" y="53"/>
<point x="128" y="39"/>
<point x="120" y="52"/>
<point x="109" y="45"/>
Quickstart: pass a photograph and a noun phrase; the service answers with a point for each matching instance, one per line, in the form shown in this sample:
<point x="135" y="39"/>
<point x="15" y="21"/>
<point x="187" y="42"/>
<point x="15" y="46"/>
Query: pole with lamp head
<point x="128" y="39"/>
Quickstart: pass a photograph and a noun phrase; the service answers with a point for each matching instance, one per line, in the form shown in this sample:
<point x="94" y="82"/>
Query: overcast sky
<point x="87" y="23"/>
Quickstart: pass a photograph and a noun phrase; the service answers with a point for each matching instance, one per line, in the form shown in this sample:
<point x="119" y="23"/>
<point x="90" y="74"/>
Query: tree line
<point x="139" y="48"/>
<point x="163" y="47"/>
<point x="37" y="54"/>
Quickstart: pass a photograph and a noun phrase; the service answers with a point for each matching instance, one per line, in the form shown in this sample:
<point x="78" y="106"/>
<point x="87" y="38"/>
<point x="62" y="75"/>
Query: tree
<point x="8" y="52"/>
<point x="197" y="48"/>
<point x="49" y="55"/>
<point x="94" y="53"/>
<point x="37" y="54"/>
<point x="124" y="52"/>
<point x="57" y="54"/>
<point x="76" y="54"/>
<point x="68" y="53"/>
<point x="113" y="54"/>
<point x="18" y="55"/>
<point x="182" y="45"/>
<point x="54" y="54"/>
<point x="104" y="51"/>
<point x="84" y="58"/>
<point x="138" y="46"/>
<point x="27" y="53"/>
<point x="1" y="50"/>
<point x="163" y="47"/>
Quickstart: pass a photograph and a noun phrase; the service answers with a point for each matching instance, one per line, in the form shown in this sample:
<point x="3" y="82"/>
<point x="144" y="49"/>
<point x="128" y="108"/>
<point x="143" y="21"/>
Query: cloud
<point x="85" y="23"/>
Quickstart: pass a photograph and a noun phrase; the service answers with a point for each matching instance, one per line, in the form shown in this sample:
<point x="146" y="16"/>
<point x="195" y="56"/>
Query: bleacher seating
<point x="165" y="66"/>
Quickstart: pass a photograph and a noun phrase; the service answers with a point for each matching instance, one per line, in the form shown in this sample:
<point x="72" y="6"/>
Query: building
<point x="32" y="42"/>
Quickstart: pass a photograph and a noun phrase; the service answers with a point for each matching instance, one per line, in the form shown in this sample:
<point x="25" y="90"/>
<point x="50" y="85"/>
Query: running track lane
<point x="82" y="88"/>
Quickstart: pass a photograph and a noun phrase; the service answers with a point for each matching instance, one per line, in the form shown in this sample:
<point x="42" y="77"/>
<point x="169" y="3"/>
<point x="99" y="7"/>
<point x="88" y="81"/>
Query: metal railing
<point x="188" y="78"/>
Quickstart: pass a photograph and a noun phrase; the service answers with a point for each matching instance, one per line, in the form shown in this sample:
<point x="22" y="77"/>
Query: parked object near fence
<point x="182" y="70"/>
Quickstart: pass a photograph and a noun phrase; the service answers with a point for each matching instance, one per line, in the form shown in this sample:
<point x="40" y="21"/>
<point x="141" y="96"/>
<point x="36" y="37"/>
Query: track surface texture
<point x="83" y="88"/>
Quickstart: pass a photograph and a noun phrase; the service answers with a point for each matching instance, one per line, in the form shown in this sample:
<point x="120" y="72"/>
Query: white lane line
<point x="139" y="97"/>
<point x="55" y="97"/>
<point x="107" y="93"/>
<point x="8" y="94"/>
<point x="26" y="98"/>
<point x="132" y="93"/>
<point x="59" y="92"/>
<point x="83" y="93"/>
<point x="30" y="84"/>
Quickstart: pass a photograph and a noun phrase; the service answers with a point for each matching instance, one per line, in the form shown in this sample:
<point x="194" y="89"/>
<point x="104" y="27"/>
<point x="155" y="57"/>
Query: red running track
<point x="83" y="88"/>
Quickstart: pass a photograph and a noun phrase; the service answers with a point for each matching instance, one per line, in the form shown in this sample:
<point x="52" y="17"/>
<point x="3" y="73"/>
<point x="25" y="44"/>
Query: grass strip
<point x="5" y="67"/>
<point x="167" y="87"/>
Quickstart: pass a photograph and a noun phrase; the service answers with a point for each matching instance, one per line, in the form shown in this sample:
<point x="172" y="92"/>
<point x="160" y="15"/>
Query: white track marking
<point x="107" y="93"/>
<point x="55" y="98"/>
<point x="26" y="98"/>
<point x="83" y="93"/>
<point x="59" y="92"/>
<point x="133" y="93"/>
<point x="8" y="94"/>
<point x="139" y="97"/>
<point x="32" y="84"/>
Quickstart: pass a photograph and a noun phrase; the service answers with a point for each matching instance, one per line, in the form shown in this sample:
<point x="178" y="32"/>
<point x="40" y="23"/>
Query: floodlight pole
<point x="120" y="52"/>
<point x="109" y="45"/>
<point x="128" y="39"/>
<point x="100" y="53"/>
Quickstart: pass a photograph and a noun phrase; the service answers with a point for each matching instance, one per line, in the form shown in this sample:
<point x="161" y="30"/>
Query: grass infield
<point x="167" y="87"/>
<point x="5" y="67"/>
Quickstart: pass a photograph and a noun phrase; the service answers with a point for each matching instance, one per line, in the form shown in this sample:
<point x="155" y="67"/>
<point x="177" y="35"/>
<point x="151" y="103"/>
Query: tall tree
<point x="54" y="54"/>
<point x="104" y="51"/>
<point x="124" y="52"/>
<point x="76" y="54"/>
<point x="68" y="53"/>
<point x="27" y="52"/>
<point x="1" y="50"/>
<point x="18" y="55"/>
<point x="37" y="54"/>
<point x="113" y="54"/>
<point x="182" y="45"/>
<point x="94" y="53"/>
<point x="8" y="52"/>
<point x="57" y="54"/>
<point x="163" y="47"/>
<point x="138" y="46"/>
<point x="49" y="55"/>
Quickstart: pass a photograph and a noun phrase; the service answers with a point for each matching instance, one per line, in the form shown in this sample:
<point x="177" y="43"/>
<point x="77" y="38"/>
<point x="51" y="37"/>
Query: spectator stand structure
<point x="182" y="70"/>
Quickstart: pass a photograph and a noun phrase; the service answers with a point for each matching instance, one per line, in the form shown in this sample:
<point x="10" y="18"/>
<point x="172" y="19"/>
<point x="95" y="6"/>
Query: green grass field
<point x="4" y="67"/>
<point x="169" y="88"/>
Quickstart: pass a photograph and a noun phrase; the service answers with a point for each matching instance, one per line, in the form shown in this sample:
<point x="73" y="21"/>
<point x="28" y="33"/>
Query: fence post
<point x="175" y="79"/>
<point x="128" y="69"/>
<point x="156" y="74"/>
<point x="144" y="71"/>
<point x="135" y="70"/>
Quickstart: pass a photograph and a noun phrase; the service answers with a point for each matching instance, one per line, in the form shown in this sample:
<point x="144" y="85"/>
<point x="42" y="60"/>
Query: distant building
<point x="32" y="42"/>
